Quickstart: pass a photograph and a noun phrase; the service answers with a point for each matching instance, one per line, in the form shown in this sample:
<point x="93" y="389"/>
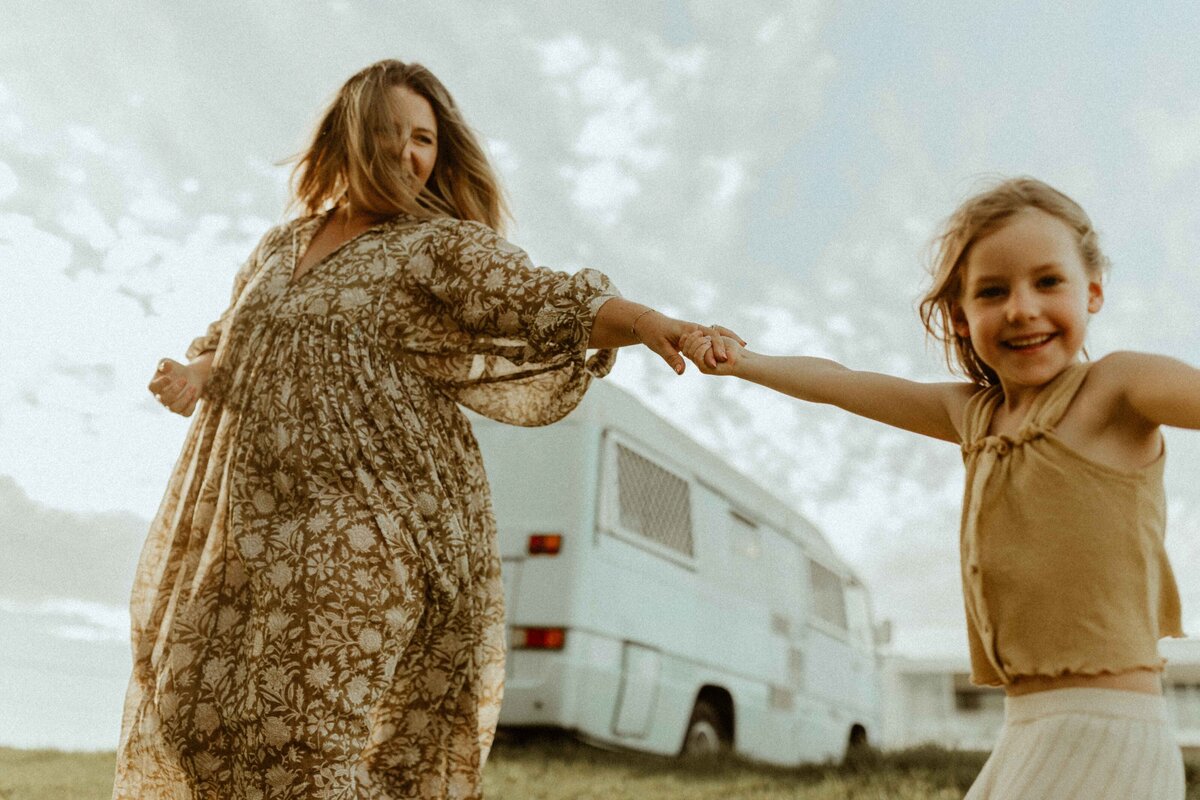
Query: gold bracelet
<point x="633" y="325"/>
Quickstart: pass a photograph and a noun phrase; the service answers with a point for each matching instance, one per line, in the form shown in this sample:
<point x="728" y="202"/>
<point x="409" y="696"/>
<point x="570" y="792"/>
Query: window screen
<point x="653" y="502"/>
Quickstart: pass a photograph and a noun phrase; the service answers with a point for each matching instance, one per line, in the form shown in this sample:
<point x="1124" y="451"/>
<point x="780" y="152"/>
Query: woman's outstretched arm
<point x="931" y="409"/>
<point x="621" y="322"/>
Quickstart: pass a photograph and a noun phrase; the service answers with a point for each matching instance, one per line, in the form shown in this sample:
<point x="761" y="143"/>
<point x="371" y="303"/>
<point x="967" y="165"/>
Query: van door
<point x="510" y="573"/>
<point x="640" y="671"/>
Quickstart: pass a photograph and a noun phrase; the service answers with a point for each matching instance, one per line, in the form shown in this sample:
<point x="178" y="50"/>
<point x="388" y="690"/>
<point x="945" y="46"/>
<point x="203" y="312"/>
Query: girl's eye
<point x="1049" y="281"/>
<point x="990" y="291"/>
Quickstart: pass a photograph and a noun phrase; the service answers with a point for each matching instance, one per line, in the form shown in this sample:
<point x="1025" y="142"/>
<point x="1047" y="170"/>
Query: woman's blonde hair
<point x="355" y="154"/>
<point x="982" y="214"/>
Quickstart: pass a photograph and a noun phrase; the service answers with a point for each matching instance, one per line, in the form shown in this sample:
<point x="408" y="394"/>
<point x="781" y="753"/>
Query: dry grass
<point x="55" y="775"/>
<point x="552" y="767"/>
<point x="548" y="767"/>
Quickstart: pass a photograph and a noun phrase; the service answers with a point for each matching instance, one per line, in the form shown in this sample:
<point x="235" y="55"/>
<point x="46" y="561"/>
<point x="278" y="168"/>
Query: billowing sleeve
<point x="501" y="336"/>
<point x="212" y="335"/>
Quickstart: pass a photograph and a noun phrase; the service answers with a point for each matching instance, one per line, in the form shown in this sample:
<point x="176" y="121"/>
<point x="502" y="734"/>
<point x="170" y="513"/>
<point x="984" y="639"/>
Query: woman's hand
<point x="701" y="347"/>
<point x="665" y="336"/>
<point x="178" y="386"/>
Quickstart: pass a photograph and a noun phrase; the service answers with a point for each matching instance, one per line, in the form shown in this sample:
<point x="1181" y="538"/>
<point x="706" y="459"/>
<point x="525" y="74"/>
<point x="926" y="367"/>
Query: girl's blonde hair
<point x="355" y="154"/>
<point x="982" y="214"/>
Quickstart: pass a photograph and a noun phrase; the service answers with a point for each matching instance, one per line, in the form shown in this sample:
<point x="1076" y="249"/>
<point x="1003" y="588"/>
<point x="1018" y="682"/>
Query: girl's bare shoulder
<point x="955" y="396"/>
<point x="1157" y="389"/>
<point x="1099" y="422"/>
<point x="1102" y="393"/>
<point x="1113" y="377"/>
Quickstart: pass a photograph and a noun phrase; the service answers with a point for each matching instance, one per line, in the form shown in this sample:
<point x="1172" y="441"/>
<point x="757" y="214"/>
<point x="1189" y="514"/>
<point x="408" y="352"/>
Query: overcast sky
<point x="776" y="166"/>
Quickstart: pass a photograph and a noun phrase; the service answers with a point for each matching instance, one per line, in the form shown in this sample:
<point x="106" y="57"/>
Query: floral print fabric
<point x="318" y="609"/>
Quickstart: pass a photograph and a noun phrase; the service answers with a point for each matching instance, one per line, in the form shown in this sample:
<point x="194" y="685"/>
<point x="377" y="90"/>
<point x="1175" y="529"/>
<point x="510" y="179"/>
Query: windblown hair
<point x="982" y="214"/>
<point x="355" y="156"/>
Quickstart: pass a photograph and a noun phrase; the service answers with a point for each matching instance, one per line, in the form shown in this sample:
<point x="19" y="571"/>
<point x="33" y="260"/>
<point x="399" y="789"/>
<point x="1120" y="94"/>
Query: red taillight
<point x="539" y="638"/>
<point x="545" y="544"/>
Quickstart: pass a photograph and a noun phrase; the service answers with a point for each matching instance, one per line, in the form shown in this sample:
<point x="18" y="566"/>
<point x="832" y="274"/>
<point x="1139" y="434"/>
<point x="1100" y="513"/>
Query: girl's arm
<point x="931" y="409"/>
<point x="1163" y="390"/>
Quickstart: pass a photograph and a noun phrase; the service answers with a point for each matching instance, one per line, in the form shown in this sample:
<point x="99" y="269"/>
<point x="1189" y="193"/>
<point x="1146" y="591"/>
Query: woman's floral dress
<point x="318" y="610"/>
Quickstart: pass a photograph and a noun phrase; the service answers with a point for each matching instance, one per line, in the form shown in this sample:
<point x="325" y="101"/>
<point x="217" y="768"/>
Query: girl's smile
<point x="1027" y="344"/>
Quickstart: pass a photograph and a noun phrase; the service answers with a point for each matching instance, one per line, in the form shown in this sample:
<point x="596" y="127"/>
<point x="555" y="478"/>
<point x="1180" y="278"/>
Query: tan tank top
<point x="1063" y="565"/>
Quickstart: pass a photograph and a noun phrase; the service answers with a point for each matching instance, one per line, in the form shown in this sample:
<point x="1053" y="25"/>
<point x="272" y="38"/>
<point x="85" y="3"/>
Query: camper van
<point x="659" y="600"/>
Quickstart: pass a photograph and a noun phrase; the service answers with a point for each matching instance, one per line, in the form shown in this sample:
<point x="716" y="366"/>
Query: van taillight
<point x="539" y="638"/>
<point x="545" y="544"/>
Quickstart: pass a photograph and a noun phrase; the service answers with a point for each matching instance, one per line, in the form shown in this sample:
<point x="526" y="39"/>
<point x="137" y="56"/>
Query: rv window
<point x="828" y="601"/>
<point x="654" y="502"/>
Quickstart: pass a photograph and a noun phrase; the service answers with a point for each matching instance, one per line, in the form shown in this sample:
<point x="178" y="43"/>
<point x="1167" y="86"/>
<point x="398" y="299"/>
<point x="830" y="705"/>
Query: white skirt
<point x="1090" y="744"/>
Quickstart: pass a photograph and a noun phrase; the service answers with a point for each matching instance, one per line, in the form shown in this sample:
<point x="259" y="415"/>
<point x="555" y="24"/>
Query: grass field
<point x="547" y="767"/>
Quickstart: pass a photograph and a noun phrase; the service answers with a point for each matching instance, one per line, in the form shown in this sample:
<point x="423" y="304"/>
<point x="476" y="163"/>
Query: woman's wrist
<point x="633" y="325"/>
<point x="620" y="322"/>
<point x="201" y="366"/>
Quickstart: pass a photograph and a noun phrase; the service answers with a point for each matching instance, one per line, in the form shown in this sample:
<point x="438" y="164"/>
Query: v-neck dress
<point x="317" y="611"/>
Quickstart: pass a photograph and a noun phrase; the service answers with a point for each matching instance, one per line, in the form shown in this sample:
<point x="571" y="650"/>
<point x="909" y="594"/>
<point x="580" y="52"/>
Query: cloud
<point x="621" y="119"/>
<point x="8" y="181"/>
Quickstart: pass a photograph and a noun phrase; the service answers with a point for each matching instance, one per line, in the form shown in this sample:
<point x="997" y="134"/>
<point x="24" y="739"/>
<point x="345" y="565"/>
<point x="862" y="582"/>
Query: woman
<point x="318" y="608"/>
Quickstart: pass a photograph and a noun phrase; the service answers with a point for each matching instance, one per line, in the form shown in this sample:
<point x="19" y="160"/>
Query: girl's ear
<point x="959" y="321"/>
<point x="1095" y="296"/>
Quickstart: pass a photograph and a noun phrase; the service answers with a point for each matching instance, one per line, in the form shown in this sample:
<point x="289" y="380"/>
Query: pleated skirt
<point x="1085" y="744"/>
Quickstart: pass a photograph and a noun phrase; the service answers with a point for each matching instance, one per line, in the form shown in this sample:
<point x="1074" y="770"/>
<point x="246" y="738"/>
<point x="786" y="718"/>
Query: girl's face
<point x="1026" y="299"/>
<point x="420" y="151"/>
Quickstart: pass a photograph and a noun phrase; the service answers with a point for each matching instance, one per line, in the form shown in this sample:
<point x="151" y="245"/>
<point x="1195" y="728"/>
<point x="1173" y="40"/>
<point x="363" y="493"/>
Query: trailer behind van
<point x="659" y="600"/>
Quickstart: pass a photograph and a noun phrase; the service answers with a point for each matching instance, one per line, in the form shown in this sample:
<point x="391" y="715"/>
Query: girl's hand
<point x="664" y="335"/>
<point x="178" y="386"/>
<point x="700" y="348"/>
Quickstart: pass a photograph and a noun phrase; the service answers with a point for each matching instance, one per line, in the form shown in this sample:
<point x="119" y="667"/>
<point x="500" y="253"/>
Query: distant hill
<point x="46" y="552"/>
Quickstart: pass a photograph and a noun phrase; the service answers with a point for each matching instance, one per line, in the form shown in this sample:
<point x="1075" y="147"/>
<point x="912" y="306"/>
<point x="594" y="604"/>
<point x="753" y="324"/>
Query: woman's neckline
<point x="318" y="222"/>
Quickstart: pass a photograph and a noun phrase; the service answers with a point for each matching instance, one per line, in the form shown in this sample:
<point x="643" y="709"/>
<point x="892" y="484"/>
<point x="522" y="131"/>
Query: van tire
<point x="859" y="752"/>
<point x="706" y="735"/>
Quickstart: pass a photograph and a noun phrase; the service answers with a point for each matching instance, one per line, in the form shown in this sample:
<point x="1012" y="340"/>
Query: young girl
<point x="1066" y="584"/>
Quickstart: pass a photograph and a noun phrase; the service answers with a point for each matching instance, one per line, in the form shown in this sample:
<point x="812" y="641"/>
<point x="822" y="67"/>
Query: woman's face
<point x="420" y="151"/>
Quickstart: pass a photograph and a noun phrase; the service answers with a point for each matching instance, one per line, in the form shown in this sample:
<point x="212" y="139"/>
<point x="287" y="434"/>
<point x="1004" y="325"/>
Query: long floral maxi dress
<point x="318" y="610"/>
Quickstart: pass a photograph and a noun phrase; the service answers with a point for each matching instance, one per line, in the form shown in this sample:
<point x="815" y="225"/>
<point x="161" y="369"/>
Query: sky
<point x="779" y="167"/>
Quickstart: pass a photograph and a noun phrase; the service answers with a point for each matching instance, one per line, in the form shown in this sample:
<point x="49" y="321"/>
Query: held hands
<point x="700" y="347"/>
<point x="178" y="386"/>
<point x="666" y="336"/>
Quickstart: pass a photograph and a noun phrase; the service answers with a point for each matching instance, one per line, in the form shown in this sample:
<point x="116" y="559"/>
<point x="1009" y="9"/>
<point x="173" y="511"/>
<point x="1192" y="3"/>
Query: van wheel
<point x="706" y="735"/>
<point x="859" y="752"/>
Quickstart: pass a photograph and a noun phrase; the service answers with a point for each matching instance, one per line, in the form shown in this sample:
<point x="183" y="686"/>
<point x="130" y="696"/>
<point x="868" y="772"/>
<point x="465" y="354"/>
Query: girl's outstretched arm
<point x="1163" y="390"/>
<point x="931" y="409"/>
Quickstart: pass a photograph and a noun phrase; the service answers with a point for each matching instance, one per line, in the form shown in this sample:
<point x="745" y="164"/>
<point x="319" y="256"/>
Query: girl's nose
<point x="1021" y="305"/>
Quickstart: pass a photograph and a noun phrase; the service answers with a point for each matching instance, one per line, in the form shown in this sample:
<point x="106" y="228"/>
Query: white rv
<point x="659" y="600"/>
